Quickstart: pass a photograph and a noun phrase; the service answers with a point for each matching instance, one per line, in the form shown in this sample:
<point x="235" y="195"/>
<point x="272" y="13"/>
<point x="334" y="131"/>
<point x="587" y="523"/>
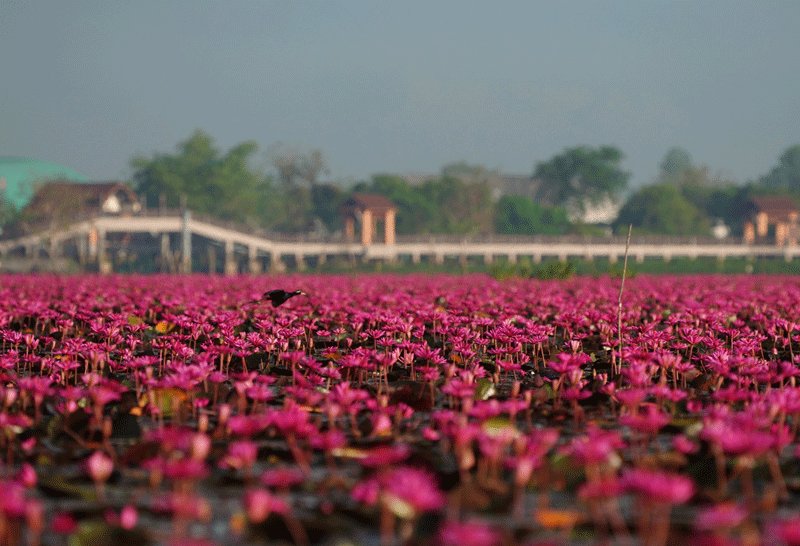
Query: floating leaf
<point x="557" y="519"/>
<point x="496" y="426"/>
<point x="485" y="389"/>
<point x="133" y="320"/>
<point x="164" y="327"/>
<point x="399" y="507"/>
<point x="57" y="485"/>
<point x="166" y="400"/>
<point x="98" y="533"/>
<point x="349" y="453"/>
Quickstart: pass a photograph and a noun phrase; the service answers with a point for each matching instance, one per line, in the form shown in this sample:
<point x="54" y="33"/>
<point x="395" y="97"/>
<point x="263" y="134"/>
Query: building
<point x="61" y="202"/>
<point x="772" y="218"/>
<point x="368" y="211"/>
<point x="20" y="177"/>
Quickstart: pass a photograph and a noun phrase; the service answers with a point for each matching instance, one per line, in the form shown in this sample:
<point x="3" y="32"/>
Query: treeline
<point x="289" y="192"/>
<point x="687" y="199"/>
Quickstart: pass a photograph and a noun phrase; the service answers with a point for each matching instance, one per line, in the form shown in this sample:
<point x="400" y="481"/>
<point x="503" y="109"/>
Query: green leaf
<point x="485" y="389"/>
<point x="99" y="533"/>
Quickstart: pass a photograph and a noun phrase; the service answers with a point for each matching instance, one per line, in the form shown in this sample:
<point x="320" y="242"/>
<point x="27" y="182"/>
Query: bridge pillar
<point x="300" y="261"/>
<point x="186" y="243"/>
<point x="640" y="258"/>
<point x="166" y="255"/>
<point x="562" y="257"/>
<point x="55" y="248"/>
<point x="254" y="265"/>
<point x="488" y="258"/>
<point x="613" y="258"/>
<point x="212" y="260"/>
<point x="415" y="258"/>
<point x="537" y="258"/>
<point x="276" y="265"/>
<point x="83" y="250"/>
<point x="512" y="258"/>
<point x="231" y="267"/>
<point x="438" y="258"/>
<point x="104" y="265"/>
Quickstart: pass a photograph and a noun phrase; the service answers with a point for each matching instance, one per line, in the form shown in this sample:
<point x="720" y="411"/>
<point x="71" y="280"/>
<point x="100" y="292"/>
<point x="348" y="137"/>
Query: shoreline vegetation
<point x="548" y="268"/>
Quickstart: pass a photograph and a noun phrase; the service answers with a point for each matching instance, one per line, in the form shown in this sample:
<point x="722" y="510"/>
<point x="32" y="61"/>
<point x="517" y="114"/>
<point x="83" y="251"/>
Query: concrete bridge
<point x="90" y="237"/>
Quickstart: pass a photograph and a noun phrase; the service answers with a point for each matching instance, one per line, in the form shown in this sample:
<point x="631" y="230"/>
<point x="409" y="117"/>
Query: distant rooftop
<point x="20" y="177"/>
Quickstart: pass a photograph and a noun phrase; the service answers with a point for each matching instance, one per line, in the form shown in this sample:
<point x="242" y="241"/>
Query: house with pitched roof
<point x="61" y="202"/>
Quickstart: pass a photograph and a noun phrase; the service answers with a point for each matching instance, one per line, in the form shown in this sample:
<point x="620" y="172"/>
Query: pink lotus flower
<point x="99" y="466"/>
<point x="658" y="486"/>
<point x="241" y="454"/>
<point x="720" y="516"/>
<point x="469" y="534"/>
<point x="412" y="487"/>
<point x="260" y="503"/>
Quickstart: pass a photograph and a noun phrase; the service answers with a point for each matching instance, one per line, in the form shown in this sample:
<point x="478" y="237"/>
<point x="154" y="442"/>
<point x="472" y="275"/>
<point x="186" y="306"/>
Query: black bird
<point x="278" y="297"/>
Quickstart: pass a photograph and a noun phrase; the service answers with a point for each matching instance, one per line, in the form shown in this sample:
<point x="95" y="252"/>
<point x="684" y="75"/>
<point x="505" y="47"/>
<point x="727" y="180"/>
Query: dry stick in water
<point x="619" y="301"/>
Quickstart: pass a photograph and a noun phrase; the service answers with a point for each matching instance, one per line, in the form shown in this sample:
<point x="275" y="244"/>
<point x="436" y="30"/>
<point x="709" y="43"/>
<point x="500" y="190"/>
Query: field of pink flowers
<point x="399" y="410"/>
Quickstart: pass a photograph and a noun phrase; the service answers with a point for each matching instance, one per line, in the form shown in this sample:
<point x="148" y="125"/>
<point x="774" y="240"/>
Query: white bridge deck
<point x="259" y="246"/>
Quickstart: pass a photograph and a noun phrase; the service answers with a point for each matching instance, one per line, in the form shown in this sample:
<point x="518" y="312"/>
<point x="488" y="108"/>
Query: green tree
<point x="582" y="175"/>
<point x="326" y="200"/>
<point x="462" y="207"/>
<point x="518" y="215"/>
<point x="786" y="174"/>
<point x="467" y="172"/>
<point x="716" y="197"/>
<point x="295" y="209"/>
<point x="675" y="162"/>
<point x="662" y="208"/>
<point x="223" y="185"/>
<point x="294" y="166"/>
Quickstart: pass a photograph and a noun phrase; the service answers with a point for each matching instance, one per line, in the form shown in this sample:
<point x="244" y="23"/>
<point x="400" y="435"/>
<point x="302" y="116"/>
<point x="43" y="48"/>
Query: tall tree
<point x="468" y="172"/>
<point x="463" y="207"/>
<point x="676" y="161"/>
<point x="662" y="208"/>
<point x="326" y="200"/>
<point x="519" y="215"/>
<point x="786" y="174"/>
<point x="223" y="185"/>
<point x="581" y="176"/>
<point x="294" y="166"/>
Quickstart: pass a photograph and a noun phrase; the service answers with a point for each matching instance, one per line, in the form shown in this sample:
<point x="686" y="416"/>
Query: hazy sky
<point x="403" y="86"/>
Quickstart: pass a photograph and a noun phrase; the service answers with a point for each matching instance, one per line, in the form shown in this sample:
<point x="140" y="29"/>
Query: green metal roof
<point x="20" y="177"/>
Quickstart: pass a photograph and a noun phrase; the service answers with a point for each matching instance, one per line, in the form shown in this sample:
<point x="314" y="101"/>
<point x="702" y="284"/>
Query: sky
<point x="402" y="87"/>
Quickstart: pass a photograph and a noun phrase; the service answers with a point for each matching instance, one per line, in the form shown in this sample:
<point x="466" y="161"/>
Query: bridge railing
<point x="338" y="237"/>
<point x="563" y="239"/>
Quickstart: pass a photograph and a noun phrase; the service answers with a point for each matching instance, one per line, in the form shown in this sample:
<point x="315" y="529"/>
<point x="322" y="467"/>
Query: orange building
<point x="368" y="211"/>
<point x="773" y="219"/>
